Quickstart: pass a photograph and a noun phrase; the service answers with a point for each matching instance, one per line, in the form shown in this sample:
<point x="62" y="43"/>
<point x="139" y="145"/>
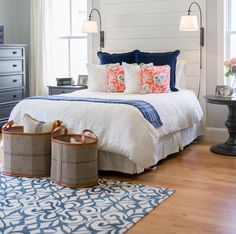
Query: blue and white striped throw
<point x="148" y="111"/>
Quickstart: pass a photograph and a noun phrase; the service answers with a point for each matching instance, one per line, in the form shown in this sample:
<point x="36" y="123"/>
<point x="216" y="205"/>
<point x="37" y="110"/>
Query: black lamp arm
<point x="201" y="27"/>
<point x="101" y="32"/>
<point x="201" y="43"/>
<point x="100" y="18"/>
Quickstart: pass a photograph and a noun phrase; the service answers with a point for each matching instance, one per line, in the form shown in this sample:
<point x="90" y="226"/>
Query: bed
<point x="128" y="143"/>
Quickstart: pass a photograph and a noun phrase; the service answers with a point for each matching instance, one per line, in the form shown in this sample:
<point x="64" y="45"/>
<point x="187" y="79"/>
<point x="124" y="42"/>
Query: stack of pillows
<point x="134" y="72"/>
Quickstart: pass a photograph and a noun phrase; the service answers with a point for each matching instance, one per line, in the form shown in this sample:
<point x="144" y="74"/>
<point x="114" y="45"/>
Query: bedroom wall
<point x="216" y="114"/>
<point x="15" y="16"/>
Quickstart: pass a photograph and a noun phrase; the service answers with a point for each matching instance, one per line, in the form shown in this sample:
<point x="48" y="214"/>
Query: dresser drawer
<point x="5" y="110"/>
<point x="11" y="81"/>
<point x="11" y="53"/>
<point x="11" y="96"/>
<point x="11" y="66"/>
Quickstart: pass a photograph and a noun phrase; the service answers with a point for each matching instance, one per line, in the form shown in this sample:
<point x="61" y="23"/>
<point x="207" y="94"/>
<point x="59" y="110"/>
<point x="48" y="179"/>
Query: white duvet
<point x="121" y="129"/>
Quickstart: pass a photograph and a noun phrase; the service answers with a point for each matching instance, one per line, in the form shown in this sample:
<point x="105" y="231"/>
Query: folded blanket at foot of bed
<point x="148" y="111"/>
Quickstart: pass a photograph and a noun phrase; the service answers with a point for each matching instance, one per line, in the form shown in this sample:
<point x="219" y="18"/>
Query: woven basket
<point x="75" y="165"/>
<point x="26" y="154"/>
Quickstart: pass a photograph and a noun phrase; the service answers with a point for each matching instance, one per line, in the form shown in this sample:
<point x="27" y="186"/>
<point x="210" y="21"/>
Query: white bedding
<point x="121" y="129"/>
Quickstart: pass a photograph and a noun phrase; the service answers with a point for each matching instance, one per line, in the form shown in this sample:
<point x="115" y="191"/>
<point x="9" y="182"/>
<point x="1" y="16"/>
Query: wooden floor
<point x="205" y="197"/>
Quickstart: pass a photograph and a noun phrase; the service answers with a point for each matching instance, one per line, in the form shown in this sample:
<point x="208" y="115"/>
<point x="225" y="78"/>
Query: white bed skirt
<point x="167" y="145"/>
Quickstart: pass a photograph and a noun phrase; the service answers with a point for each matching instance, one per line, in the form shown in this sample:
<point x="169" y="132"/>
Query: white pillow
<point x="32" y="125"/>
<point x="96" y="77"/>
<point x="132" y="78"/>
<point x="179" y="74"/>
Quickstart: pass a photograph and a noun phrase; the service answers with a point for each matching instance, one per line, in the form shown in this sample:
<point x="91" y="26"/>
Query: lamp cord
<point x="200" y="80"/>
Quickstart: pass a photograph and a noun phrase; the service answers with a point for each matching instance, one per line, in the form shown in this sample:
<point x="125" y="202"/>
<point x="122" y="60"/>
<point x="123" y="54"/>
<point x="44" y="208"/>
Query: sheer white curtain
<point x="41" y="46"/>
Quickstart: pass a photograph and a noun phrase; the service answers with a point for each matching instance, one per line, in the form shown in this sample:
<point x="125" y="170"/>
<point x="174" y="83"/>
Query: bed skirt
<point x="167" y="145"/>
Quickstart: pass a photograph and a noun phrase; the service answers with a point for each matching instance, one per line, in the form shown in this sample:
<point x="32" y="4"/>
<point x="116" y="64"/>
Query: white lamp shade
<point x="188" y="23"/>
<point x="90" y="26"/>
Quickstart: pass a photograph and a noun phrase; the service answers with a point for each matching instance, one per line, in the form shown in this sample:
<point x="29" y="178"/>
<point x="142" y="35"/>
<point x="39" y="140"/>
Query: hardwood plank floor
<point x="205" y="197"/>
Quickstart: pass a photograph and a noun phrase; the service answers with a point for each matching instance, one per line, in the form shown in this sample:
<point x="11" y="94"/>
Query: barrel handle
<point x="56" y="123"/>
<point x="8" y="125"/>
<point x="58" y="129"/>
<point x="83" y="138"/>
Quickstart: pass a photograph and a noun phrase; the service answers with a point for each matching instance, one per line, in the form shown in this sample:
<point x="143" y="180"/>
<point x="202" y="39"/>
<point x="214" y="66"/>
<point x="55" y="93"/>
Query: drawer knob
<point x="14" y="65"/>
<point x="14" y="52"/>
<point x="14" y="96"/>
<point x="14" y="81"/>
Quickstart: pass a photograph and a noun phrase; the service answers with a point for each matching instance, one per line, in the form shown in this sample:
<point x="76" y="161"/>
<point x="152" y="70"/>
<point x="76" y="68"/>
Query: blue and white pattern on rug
<point x="40" y="206"/>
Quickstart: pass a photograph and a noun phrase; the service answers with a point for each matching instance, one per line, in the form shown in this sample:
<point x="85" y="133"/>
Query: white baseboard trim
<point x="216" y="134"/>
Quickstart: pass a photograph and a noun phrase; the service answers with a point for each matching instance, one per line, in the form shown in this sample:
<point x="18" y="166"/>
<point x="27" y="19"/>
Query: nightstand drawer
<point x="56" y="91"/>
<point x="11" y="66"/>
<point x="11" y="53"/>
<point x="11" y="81"/>
<point x="11" y="96"/>
<point x="5" y="110"/>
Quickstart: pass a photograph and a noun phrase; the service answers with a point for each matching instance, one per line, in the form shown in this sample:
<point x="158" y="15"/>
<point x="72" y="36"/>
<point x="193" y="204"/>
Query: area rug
<point x="40" y="206"/>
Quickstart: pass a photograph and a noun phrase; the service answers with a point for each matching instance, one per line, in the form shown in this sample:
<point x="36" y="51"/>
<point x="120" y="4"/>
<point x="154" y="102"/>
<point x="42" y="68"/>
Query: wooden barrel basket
<point x="26" y="154"/>
<point x="75" y="165"/>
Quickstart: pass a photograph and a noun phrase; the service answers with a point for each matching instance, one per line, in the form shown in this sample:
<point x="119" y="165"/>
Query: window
<point x="69" y="48"/>
<point x="231" y="29"/>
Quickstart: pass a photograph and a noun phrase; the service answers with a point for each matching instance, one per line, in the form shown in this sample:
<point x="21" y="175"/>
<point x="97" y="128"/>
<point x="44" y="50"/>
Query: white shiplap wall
<point x="152" y="25"/>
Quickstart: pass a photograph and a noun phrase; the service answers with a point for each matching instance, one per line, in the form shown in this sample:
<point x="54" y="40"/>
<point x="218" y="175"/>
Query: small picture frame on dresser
<point x="82" y="80"/>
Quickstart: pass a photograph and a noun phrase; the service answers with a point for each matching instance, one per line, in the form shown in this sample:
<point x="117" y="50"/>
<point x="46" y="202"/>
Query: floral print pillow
<point x="115" y="78"/>
<point x="155" y="79"/>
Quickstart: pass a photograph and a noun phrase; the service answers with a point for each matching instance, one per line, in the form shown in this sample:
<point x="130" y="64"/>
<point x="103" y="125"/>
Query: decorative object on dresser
<point x="82" y="80"/>
<point x="12" y="78"/>
<point x="53" y="90"/>
<point x="62" y="81"/>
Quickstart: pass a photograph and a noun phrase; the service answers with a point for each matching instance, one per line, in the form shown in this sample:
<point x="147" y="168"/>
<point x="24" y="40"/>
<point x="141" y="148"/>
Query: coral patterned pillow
<point x="115" y="78"/>
<point x="155" y="79"/>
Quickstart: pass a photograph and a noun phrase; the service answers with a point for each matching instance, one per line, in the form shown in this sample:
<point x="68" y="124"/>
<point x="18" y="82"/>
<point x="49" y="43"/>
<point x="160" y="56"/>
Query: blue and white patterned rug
<point x="40" y="206"/>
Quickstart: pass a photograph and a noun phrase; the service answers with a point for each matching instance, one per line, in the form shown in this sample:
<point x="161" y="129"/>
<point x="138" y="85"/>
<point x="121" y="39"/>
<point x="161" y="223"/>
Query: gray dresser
<point x="12" y="78"/>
